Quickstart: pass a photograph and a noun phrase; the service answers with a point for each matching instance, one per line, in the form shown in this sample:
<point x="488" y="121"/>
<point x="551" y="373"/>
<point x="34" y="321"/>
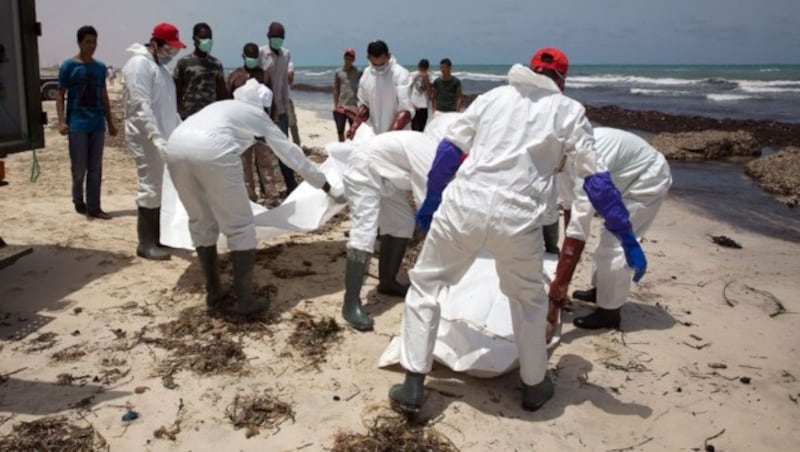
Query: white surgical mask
<point x="380" y="68"/>
<point x="166" y="54"/>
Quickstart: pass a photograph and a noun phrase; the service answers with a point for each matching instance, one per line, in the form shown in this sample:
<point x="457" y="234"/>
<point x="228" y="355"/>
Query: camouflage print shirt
<point x="198" y="77"/>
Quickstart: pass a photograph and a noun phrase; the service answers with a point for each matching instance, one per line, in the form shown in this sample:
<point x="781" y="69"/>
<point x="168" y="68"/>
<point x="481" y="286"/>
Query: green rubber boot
<point x="408" y="397"/>
<point x="352" y="310"/>
<point x="393" y="249"/>
<point x="208" y="262"/>
<point x="147" y="227"/>
<point x="249" y="304"/>
<point x="533" y="397"/>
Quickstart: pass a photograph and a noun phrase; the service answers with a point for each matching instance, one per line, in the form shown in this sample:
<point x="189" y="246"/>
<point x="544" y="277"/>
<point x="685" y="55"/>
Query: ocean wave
<point x="315" y="73"/>
<point x="661" y="92"/>
<point x="769" y="86"/>
<point x="479" y="76"/>
<point x="635" y="79"/>
<point x="727" y="97"/>
<point x="770" y="69"/>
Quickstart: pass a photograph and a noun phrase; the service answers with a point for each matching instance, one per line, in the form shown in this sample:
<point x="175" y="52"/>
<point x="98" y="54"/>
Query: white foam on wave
<point x="727" y="97"/>
<point x="769" y="86"/>
<point x="634" y="79"/>
<point x="660" y="92"/>
<point x="315" y="73"/>
<point x="480" y="76"/>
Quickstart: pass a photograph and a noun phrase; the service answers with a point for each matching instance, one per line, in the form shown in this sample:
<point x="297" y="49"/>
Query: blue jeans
<point x="288" y="174"/>
<point x="86" y="157"/>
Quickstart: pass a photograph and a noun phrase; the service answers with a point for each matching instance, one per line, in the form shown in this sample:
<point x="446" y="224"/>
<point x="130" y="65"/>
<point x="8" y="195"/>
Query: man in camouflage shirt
<point x="199" y="77"/>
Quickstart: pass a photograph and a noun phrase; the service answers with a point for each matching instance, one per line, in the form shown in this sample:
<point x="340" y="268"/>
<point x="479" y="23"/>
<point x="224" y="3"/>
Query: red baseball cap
<point x="350" y="51"/>
<point x="550" y="58"/>
<point x="168" y="33"/>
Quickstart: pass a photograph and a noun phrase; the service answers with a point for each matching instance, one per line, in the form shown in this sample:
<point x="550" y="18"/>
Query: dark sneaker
<point x="99" y="214"/>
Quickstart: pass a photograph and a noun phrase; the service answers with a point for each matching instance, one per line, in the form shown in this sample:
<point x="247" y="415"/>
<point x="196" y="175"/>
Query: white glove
<point x="337" y="193"/>
<point x="161" y="145"/>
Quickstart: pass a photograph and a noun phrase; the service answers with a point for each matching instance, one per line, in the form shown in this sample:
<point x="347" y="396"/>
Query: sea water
<point x="767" y="92"/>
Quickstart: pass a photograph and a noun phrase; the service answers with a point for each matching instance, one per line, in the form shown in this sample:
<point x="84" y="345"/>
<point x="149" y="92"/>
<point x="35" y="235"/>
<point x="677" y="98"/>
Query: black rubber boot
<point x="589" y="295"/>
<point x="550" y="232"/>
<point x="248" y="304"/>
<point x="599" y="319"/>
<point x="393" y="249"/>
<point x="147" y="227"/>
<point x="408" y="396"/>
<point x="533" y="397"/>
<point x="352" y="311"/>
<point x="207" y="255"/>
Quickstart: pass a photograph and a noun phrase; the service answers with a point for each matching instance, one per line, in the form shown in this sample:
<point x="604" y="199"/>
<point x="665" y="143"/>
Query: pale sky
<point x="467" y="31"/>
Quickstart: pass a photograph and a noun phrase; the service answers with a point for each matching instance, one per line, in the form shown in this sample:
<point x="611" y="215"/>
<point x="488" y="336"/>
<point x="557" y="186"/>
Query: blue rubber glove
<point x="425" y="212"/>
<point x="634" y="254"/>
<point x="444" y="167"/>
<point x="607" y="201"/>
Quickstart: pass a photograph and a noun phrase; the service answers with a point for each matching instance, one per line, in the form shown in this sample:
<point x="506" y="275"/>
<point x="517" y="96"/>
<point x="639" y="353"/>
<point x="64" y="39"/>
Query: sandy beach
<point x="709" y="344"/>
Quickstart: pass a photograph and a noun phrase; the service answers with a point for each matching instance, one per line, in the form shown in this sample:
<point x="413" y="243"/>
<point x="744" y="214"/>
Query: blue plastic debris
<point x="130" y="416"/>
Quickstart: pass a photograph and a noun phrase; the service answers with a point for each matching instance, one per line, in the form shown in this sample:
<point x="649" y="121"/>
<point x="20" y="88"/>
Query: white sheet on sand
<point x="475" y="334"/>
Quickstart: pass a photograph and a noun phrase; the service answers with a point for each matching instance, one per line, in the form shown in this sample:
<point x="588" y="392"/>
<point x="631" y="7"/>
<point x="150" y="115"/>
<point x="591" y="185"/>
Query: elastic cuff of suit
<point x="357" y="255"/>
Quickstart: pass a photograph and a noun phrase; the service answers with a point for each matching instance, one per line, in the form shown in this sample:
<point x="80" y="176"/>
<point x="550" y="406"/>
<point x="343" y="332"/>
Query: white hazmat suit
<point x="515" y="137"/>
<point x="380" y="172"/>
<point x="385" y="92"/>
<point x="642" y="175"/>
<point x="151" y="114"/>
<point x="203" y="156"/>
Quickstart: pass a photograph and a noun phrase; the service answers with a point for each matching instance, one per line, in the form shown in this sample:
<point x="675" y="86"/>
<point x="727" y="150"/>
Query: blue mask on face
<point x="205" y="44"/>
<point x="276" y="43"/>
<point x="250" y="63"/>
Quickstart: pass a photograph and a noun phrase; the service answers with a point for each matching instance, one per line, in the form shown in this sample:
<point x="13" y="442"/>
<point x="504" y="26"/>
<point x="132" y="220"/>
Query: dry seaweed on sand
<point x="71" y="353"/>
<point x="259" y="411"/>
<point x="196" y="322"/>
<point x="217" y="356"/>
<point x="312" y="337"/>
<point x="393" y="434"/>
<point x="292" y="273"/>
<point x="53" y="434"/>
<point x="43" y="342"/>
<point x="725" y="241"/>
<point x="203" y="343"/>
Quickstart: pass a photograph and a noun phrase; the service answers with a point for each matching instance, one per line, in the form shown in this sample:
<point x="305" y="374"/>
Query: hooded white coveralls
<point x="377" y="176"/>
<point x="516" y="136"/>
<point x="642" y="175"/>
<point x="385" y="93"/>
<point x="203" y="157"/>
<point x="151" y="114"/>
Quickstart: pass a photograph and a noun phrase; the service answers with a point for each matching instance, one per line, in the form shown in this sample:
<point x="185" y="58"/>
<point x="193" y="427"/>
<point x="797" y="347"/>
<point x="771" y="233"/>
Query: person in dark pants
<point x="447" y="89"/>
<point x="274" y="59"/>
<point x="421" y="91"/>
<point x="345" y="87"/>
<point x="82" y="79"/>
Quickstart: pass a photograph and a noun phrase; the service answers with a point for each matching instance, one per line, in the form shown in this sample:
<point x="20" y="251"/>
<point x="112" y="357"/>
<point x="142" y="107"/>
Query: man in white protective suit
<point x="379" y="173"/>
<point x="203" y="158"/>
<point x="643" y="176"/>
<point x="151" y="114"/>
<point x="384" y="93"/>
<point x="516" y="136"/>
